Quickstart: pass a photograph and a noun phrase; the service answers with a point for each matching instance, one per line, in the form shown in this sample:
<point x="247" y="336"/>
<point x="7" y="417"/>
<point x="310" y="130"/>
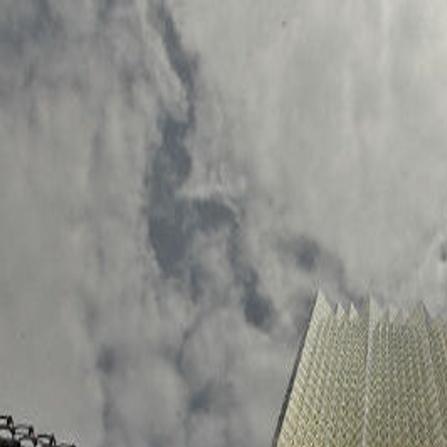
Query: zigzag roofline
<point x="372" y="310"/>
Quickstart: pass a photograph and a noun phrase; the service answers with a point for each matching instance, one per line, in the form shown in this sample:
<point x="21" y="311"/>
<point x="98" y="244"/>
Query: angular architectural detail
<point x="24" y="435"/>
<point x="368" y="378"/>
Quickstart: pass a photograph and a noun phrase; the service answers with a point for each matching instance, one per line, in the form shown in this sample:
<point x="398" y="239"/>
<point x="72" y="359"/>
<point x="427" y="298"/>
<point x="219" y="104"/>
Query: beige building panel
<point x="368" y="378"/>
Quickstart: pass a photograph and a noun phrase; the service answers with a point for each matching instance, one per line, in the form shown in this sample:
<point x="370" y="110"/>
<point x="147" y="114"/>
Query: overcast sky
<point x="177" y="178"/>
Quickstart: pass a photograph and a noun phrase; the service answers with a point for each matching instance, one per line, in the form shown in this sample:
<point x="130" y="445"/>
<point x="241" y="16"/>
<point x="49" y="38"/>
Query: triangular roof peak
<point x="392" y="312"/>
<point x="340" y="312"/>
<point x="375" y="310"/>
<point x="322" y="307"/>
<point x="419" y="313"/>
<point x="353" y="313"/>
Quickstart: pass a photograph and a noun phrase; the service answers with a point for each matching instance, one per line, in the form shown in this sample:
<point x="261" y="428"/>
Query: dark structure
<point x="24" y="435"/>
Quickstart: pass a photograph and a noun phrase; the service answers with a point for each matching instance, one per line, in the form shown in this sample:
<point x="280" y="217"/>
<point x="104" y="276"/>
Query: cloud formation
<point x="178" y="178"/>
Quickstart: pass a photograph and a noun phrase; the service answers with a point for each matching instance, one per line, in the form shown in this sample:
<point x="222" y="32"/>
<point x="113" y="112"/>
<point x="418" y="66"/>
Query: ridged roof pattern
<point x="368" y="378"/>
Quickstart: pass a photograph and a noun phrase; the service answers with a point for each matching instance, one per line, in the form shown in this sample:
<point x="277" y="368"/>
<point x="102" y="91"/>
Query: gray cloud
<point x="257" y="309"/>
<point x="322" y="266"/>
<point x="177" y="181"/>
<point x="307" y="253"/>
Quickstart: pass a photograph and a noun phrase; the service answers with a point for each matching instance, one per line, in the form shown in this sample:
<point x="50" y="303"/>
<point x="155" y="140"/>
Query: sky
<point x="178" y="179"/>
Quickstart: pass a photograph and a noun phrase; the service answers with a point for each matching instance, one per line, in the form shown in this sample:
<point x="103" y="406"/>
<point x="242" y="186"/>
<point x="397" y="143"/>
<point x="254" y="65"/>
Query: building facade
<point x="367" y="378"/>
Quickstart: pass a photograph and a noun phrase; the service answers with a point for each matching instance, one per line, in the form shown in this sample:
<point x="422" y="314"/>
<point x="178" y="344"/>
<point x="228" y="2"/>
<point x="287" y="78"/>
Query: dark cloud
<point x="211" y="214"/>
<point x="202" y="399"/>
<point x="258" y="310"/>
<point x="183" y="64"/>
<point x="171" y="165"/>
<point x="323" y="266"/>
<point x="105" y="7"/>
<point x="443" y="252"/>
<point x="176" y="222"/>
<point x="110" y="413"/>
<point x="169" y="241"/>
<point x="173" y="220"/>
<point x="307" y="252"/>
<point x="111" y="358"/>
<point x="25" y="23"/>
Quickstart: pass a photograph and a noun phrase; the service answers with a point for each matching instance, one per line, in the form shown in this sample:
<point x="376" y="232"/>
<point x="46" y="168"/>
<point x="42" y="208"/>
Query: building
<point x="24" y="435"/>
<point x="367" y="378"/>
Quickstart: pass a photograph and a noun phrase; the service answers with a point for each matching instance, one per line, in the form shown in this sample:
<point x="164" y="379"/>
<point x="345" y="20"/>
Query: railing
<point x="23" y="435"/>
